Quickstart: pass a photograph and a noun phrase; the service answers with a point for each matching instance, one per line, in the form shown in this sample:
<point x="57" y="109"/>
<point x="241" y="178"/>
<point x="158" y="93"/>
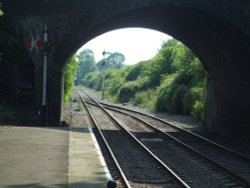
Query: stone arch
<point x="214" y="40"/>
<point x="221" y="45"/>
<point x="217" y="31"/>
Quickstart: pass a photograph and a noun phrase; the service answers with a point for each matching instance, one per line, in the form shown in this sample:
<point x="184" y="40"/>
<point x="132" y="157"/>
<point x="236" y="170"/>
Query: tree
<point x="173" y="81"/>
<point x="86" y="63"/>
<point x="114" y="60"/>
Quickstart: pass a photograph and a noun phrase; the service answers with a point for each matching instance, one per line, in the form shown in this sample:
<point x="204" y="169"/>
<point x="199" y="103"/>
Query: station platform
<point x="47" y="157"/>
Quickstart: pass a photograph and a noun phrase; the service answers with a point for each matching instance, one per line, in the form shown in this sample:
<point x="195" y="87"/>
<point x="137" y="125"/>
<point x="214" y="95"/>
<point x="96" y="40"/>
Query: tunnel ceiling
<point x="218" y="44"/>
<point x="214" y="29"/>
<point x="218" y="32"/>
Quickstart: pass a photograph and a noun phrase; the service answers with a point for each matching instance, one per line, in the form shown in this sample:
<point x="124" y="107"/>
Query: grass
<point x="146" y="99"/>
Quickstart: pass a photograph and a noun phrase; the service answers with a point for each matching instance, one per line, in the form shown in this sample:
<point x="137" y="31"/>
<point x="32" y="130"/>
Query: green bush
<point x="70" y="72"/>
<point x="146" y="99"/>
<point x="93" y="80"/>
<point x="192" y="95"/>
<point x="114" y="85"/>
<point x="162" y="93"/>
<point x="114" y="81"/>
<point x="176" y="103"/>
<point x="179" y="92"/>
<point x="134" y="72"/>
<point x="129" y="89"/>
<point x="198" y="110"/>
<point x="171" y="94"/>
<point x="172" y="81"/>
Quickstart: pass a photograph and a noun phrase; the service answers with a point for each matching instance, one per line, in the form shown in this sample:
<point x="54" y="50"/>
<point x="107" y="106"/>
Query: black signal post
<point x="104" y="53"/>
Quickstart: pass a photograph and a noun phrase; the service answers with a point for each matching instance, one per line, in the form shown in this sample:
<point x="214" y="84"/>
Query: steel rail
<point x="235" y="176"/>
<point x="168" y="169"/>
<point x="123" y="176"/>
<point x="181" y="129"/>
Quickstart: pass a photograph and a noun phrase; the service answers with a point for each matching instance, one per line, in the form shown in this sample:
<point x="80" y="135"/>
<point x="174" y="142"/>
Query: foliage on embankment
<point x="173" y="81"/>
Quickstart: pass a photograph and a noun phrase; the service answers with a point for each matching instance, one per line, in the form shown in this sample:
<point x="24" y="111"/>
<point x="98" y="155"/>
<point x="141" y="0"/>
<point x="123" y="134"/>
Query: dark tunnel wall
<point x="218" y="31"/>
<point x="222" y="48"/>
<point x="218" y="44"/>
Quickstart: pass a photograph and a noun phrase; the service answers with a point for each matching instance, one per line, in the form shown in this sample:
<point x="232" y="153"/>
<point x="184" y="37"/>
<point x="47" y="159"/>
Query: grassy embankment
<point x="173" y="81"/>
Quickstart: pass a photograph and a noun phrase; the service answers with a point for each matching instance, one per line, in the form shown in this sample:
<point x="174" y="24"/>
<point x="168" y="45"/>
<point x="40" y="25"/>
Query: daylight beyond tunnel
<point x="172" y="80"/>
<point x="222" y="49"/>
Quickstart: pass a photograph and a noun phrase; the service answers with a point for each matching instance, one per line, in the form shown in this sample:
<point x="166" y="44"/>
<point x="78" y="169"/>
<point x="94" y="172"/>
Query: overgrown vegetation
<point x="69" y="77"/>
<point x="86" y="64"/>
<point x="173" y="81"/>
<point x="83" y="63"/>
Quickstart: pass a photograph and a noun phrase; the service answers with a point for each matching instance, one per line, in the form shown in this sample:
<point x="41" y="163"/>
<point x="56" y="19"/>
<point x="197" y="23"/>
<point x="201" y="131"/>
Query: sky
<point x="136" y="44"/>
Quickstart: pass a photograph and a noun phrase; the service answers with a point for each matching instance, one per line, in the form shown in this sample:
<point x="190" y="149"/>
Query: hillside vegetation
<point x="173" y="81"/>
<point x="83" y="63"/>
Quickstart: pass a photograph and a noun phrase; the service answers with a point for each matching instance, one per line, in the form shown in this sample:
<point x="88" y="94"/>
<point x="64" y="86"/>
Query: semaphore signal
<point x="38" y="44"/>
<point x="43" y="45"/>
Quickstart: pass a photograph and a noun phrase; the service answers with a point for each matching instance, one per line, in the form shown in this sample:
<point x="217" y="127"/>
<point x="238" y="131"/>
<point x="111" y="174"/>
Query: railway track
<point x="233" y="162"/>
<point x="197" y="161"/>
<point x="137" y="166"/>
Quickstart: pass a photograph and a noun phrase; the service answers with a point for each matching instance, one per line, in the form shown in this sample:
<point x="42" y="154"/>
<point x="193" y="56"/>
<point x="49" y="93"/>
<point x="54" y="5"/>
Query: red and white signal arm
<point x="36" y="44"/>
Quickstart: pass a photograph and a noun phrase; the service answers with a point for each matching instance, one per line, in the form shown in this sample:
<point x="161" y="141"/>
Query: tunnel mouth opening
<point x="188" y="98"/>
<point x="216" y="42"/>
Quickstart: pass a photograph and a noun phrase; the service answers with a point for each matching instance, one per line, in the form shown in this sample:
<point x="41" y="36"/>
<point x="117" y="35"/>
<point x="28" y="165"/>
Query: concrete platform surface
<point x="49" y="157"/>
<point x="86" y="165"/>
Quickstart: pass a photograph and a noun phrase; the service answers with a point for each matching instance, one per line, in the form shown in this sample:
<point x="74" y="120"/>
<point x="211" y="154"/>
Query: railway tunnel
<point x="217" y="31"/>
